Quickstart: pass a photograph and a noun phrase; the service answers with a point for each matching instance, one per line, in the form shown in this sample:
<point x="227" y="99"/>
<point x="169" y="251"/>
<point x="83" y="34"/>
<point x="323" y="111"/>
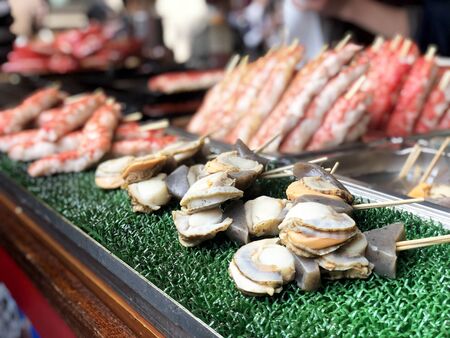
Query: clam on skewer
<point x="243" y="170"/>
<point x="148" y="196"/>
<point x="209" y="192"/>
<point x="262" y="267"/>
<point x="196" y="228"/>
<point x="256" y="218"/>
<point x="107" y="175"/>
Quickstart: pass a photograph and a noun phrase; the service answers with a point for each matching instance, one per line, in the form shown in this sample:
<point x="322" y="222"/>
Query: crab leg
<point x="437" y="103"/>
<point x="268" y="95"/>
<point x="344" y="114"/>
<point x="95" y="143"/>
<point x="298" y="138"/>
<point x="71" y="116"/>
<point x="140" y="146"/>
<point x="412" y="96"/>
<point x="9" y="141"/>
<point x="328" y="65"/>
<point x="278" y="117"/>
<point x="15" y="119"/>
<point x="213" y="97"/>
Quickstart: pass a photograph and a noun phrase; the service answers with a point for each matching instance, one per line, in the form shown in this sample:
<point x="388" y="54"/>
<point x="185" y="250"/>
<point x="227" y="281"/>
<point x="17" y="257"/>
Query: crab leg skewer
<point x="436" y="105"/>
<point x="298" y="138"/>
<point x="413" y="95"/>
<point x="72" y="116"/>
<point x="269" y="95"/>
<point x="15" y="119"/>
<point x="96" y="142"/>
<point x="345" y="113"/>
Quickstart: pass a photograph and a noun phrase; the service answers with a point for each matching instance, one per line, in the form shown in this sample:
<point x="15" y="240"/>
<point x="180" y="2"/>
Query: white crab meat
<point x="149" y="195"/>
<point x="266" y="262"/>
<point x="200" y="226"/>
<point x="209" y="192"/>
<point x="109" y="173"/>
<point x="264" y="214"/>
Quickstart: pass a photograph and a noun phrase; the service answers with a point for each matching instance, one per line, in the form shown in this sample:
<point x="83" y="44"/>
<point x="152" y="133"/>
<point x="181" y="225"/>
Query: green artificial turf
<point x="417" y="303"/>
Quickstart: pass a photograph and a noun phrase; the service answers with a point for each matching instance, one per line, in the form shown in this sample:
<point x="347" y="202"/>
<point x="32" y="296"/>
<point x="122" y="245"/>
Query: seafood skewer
<point x="437" y="104"/>
<point x="269" y="94"/>
<point x="298" y="138"/>
<point x="413" y="95"/>
<point x="71" y="116"/>
<point x="96" y="142"/>
<point x="344" y="114"/>
<point x="15" y="119"/>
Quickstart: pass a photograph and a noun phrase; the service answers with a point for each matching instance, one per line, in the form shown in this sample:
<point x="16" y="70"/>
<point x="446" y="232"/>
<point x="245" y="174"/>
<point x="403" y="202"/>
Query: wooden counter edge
<point x="129" y="316"/>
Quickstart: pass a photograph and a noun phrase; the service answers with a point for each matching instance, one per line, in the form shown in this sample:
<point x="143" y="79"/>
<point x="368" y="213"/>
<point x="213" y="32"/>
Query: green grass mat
<point x="417" y="303"/>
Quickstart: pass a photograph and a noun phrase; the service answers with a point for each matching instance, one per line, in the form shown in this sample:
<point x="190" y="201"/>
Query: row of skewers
<point x="93" y="47"/>
<point x="307" y="236"/>
<point x="343" y="94"/>
<point x="70" y="134"/>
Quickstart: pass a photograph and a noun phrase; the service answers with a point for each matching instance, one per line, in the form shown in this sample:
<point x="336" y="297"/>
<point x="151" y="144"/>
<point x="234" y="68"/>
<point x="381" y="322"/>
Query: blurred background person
<point x="427" y="22"/>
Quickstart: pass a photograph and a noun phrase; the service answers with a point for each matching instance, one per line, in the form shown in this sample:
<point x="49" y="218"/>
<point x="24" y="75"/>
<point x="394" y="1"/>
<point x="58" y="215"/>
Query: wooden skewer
<point x="232" y="63"/>
<point x="445" y="81"/>
<point x="412" y="158"/>
<point x="355" y="87"/>
<point x="267" y="143"/>
<point x="386" y="203"/>
<point x="290" y="166"/>
<point x="333" y="170"/>
<point x="343" y="42"/>
<point x="377" y="43"/>
<point x="431" y="51"/>
<point x="405" y="47"/>
<point x="155" y="125"/>
<point x="396" y="41"/>
<point x="422" y="242"/>
<point x="278" y="175"/>
<point x="435" y="159"/>
<point x="133" y="117"/>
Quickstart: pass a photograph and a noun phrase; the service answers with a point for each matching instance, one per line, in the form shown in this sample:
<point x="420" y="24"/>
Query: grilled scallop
<point x="209" y="192"/>
<point x="150" y="195"/>
<point x="109" y="173"/>
<point x="265" y="262"/>
<point x="144" y="167"/>
<point x="196" y="228"/>
<point x="264" y="214"/>
<point x="183" y="150"/>
<point x="245" y="171"/>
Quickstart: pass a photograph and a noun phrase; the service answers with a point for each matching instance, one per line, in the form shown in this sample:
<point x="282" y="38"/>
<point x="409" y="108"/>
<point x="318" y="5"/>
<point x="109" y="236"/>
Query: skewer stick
<point x="431" y="51"/>
<point x="267" y="143"/>
<point x="377" y="43"/>
<point x="133" y="117"/>
<point x="387" y="203"/>
<point x="396" y="41"/>
<point x="290" y="166"/>
<point x="343" y="42"/>
<point x="405" y="47"/>
<point x="161" y="124"/>
<point x="232" y="63"/>
<point x="412" y="158"/>
<point x="422" y="242"/>
<point x="445" y="81"/>
<point x="435" y="159"/>
<point x="355" y="87"/>
<point x="333" y="170"/>
<point x="278" y="175"/>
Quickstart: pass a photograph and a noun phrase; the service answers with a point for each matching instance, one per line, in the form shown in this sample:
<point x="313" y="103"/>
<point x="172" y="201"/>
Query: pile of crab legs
<point x="343" y="94"/>
<point x="71" y="134"/>
<point x="308" y="236"/>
